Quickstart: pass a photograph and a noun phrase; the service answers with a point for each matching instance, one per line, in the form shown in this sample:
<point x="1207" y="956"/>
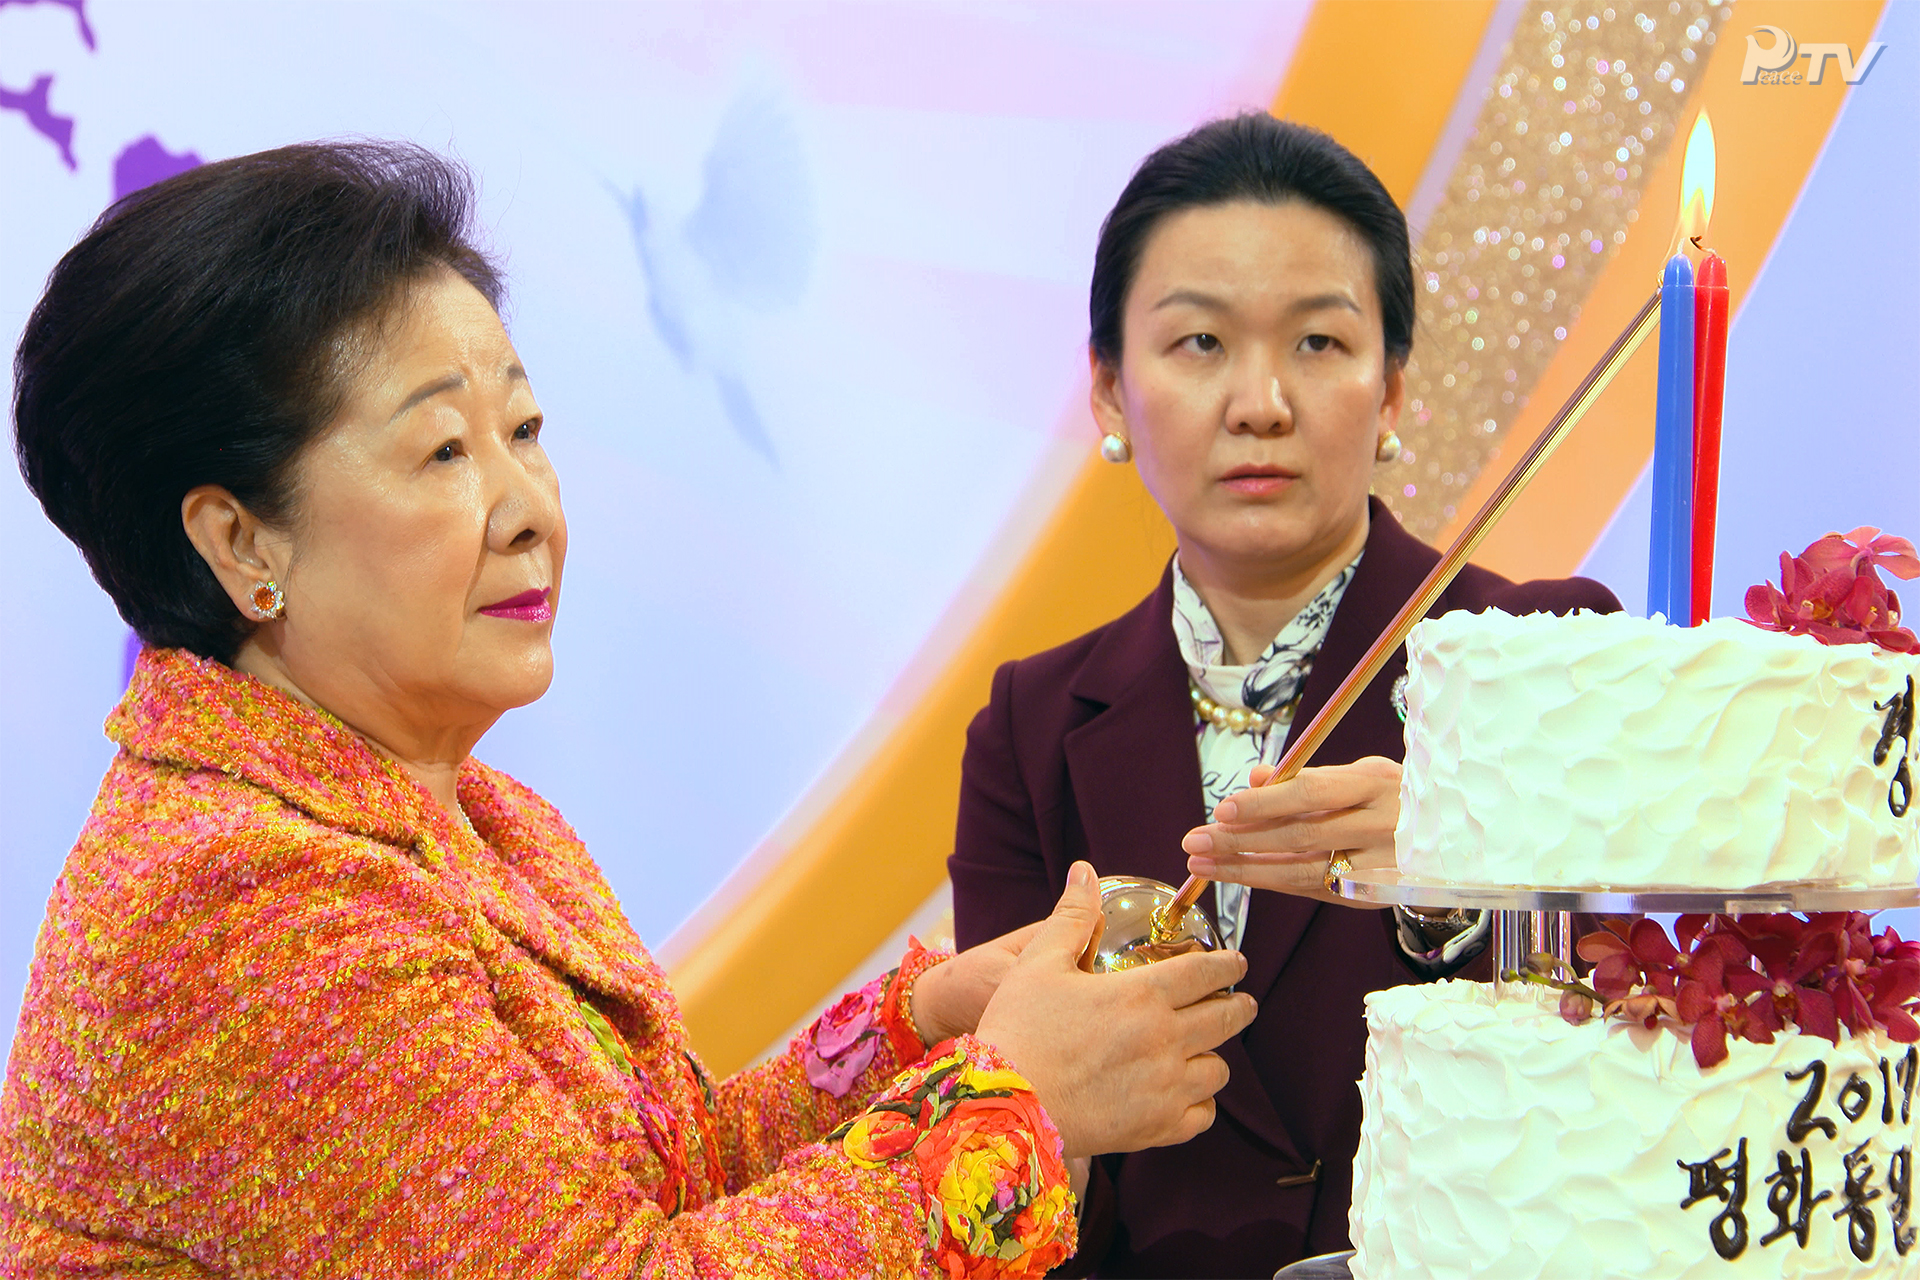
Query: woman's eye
<point x="446" y="452"/>
<point x="1203" y="342"/>
<point x="1317" y="342"/>
<point x="528" y="430"/>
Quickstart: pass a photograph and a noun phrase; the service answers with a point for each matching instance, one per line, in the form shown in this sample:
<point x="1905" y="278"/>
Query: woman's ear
<point x="242" y="551"/>
<point x="1396" y="396"/>
<point x="1109" y="415"/>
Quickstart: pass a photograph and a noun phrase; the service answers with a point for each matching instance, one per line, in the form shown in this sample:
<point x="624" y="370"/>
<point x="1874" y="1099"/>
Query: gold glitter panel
<point x="1587" y="99"/>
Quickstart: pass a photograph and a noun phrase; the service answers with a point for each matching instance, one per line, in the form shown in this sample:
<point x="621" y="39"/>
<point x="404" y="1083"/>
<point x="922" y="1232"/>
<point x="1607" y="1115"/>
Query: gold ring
<point x="1337" y="866"/>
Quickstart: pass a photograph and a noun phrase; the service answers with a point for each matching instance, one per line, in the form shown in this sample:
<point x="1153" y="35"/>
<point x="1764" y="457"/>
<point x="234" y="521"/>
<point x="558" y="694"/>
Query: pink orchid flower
<point x="1864" y="548"/>
<point x="1832" y="591"/>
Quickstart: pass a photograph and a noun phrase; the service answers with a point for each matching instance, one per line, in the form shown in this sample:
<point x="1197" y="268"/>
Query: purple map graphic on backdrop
<point x="33" y="105"/>
<point x="33" y="102"/>
<point x="143" y="163"/>
<point x="139" y="164"/>
<point x="77" y="7"/>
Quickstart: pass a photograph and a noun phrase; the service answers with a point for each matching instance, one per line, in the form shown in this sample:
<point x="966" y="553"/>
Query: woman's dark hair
<point x="1257" y="158"/>
<point x="193" y="337"/>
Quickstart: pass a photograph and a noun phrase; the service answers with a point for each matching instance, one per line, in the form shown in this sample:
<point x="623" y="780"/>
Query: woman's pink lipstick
<point x="1257" y="482"/>
<point x="528" y="606"/>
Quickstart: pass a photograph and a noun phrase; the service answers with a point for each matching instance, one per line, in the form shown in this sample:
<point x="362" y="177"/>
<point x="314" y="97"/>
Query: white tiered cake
<point x="1501" y="1139"/>
<point x="1614" y="751"/>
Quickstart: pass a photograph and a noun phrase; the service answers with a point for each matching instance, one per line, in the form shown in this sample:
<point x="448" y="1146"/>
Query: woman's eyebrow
<point x="1321" y="301"/>
<point x="1191" y="298"/>
<point x="451" y="382"/>
<point x="1210" y="302"/>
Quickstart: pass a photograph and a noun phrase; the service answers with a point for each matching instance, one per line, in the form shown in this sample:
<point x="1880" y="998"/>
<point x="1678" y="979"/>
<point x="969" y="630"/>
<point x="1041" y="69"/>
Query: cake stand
<point x="1531" y="919"/>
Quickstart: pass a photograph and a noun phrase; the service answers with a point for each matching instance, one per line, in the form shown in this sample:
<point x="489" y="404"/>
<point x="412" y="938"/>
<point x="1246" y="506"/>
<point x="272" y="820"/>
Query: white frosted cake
<point x="1615" y="751"/>
<point x="1501" y="1140"/>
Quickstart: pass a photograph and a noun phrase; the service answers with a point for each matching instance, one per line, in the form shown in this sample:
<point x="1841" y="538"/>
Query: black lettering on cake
<point x="1855" y="1096"/>
<point x="1790" y="1183"/>
<point x="1710" y="1180"/>
<point x="1853" y="1207"/>
<point x="1803" y="1122"/>
<point x="1909" y="1068"/>
<point x="1898" y="725"/>
<point x="1900" y="1187"/>
<point x="1886" y="1093"/>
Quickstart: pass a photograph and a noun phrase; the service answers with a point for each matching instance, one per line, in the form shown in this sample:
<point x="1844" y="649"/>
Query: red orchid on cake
<point x="1748" y="977"/>
<point x="1832" y="591"/>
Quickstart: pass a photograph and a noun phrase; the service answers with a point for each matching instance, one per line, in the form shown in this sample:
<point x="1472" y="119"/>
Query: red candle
<point x="1709" y="390"/>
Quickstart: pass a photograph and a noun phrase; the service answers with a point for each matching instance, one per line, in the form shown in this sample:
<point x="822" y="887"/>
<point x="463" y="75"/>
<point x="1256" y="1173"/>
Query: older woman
<point x="318" y="994"/>
<point x="1252" y="313"/>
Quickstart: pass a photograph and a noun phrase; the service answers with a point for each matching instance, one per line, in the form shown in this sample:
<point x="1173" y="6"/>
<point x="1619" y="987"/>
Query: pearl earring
<point x="269" y="601"/>
<point x="1389" y="450"/>
<point x="1114" y="447"/>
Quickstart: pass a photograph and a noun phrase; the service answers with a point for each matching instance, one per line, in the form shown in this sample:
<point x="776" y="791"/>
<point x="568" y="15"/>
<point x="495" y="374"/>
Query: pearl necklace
<point x="1239" y="719"/>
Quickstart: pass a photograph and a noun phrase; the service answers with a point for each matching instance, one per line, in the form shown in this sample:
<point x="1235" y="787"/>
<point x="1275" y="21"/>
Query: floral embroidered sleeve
<point x="959" y="1130"/>
<point x="954" y="1171"/>
<point x="827" y="1075"/>
<point x="989" y="1161"/>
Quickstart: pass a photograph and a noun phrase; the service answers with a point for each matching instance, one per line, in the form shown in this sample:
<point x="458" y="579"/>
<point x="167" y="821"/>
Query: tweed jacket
<point x="1088" y="751"/>
<point x="286" y="1018"/>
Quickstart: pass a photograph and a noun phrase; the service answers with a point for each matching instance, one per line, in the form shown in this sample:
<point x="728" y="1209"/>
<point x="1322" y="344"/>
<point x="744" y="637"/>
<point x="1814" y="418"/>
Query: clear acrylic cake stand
<point x="1527" y="919"/>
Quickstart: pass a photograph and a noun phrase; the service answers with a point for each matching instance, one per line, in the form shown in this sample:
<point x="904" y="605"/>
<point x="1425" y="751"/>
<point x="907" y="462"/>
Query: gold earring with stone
<point x="1114" y="447"/>
<point x="269" y="601"/>
<point x="1389" y="448"/>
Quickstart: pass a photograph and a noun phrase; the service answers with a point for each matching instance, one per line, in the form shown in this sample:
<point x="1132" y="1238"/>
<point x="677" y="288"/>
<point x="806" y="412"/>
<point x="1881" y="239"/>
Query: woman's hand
<point x="1121" y="1061"/>
<point x="948" y="999"/>
<point x="1281" y="837"/>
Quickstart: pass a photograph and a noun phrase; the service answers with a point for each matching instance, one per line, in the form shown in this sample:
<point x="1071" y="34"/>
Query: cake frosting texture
<point x="1614" y="751"/>
<point x="1501" y="1140"/>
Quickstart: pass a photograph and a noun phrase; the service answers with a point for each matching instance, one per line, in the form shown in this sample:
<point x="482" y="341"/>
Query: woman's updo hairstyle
<point x="195" y="336"/>
<point x="1257" y="158"/>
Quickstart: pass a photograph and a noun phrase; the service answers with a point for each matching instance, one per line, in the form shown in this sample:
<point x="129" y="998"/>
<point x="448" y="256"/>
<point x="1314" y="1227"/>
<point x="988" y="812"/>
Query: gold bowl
<point x="1130" y="906"/>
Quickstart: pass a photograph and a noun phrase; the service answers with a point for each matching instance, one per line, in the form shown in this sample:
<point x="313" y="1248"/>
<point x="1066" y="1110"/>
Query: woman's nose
<point x="526" y="508"/>
<point x="1260" y="405"/>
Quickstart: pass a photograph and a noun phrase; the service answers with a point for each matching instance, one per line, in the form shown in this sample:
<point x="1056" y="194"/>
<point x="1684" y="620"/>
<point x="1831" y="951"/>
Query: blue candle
<point x="1670" y="559"/>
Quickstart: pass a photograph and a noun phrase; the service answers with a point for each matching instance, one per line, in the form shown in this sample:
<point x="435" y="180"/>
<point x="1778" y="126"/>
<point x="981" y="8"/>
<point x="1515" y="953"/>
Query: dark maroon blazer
<point x="1087" y="752"/>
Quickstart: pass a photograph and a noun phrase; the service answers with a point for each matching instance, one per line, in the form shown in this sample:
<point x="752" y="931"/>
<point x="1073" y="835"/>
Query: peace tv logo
<point x="1776" y="63"/>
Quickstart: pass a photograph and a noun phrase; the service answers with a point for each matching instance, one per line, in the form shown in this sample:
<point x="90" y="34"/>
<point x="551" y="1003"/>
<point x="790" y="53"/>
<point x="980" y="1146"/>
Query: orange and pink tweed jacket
<point x="286" y="1018"/>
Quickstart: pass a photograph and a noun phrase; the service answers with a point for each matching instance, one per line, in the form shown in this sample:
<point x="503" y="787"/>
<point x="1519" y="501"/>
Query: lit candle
<point x="1670" y="553"/>
<point x="1682" y="465"/>
<point x="1709" y="383"/>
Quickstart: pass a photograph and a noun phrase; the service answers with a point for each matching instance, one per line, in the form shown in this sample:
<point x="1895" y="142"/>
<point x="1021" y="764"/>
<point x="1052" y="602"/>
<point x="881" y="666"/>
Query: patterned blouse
<point x="288" y="1019"/>
<point x="1270" y="684"/>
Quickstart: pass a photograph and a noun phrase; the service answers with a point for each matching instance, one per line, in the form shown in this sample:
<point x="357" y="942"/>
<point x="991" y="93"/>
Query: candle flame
<point x="1696" y="186"/>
